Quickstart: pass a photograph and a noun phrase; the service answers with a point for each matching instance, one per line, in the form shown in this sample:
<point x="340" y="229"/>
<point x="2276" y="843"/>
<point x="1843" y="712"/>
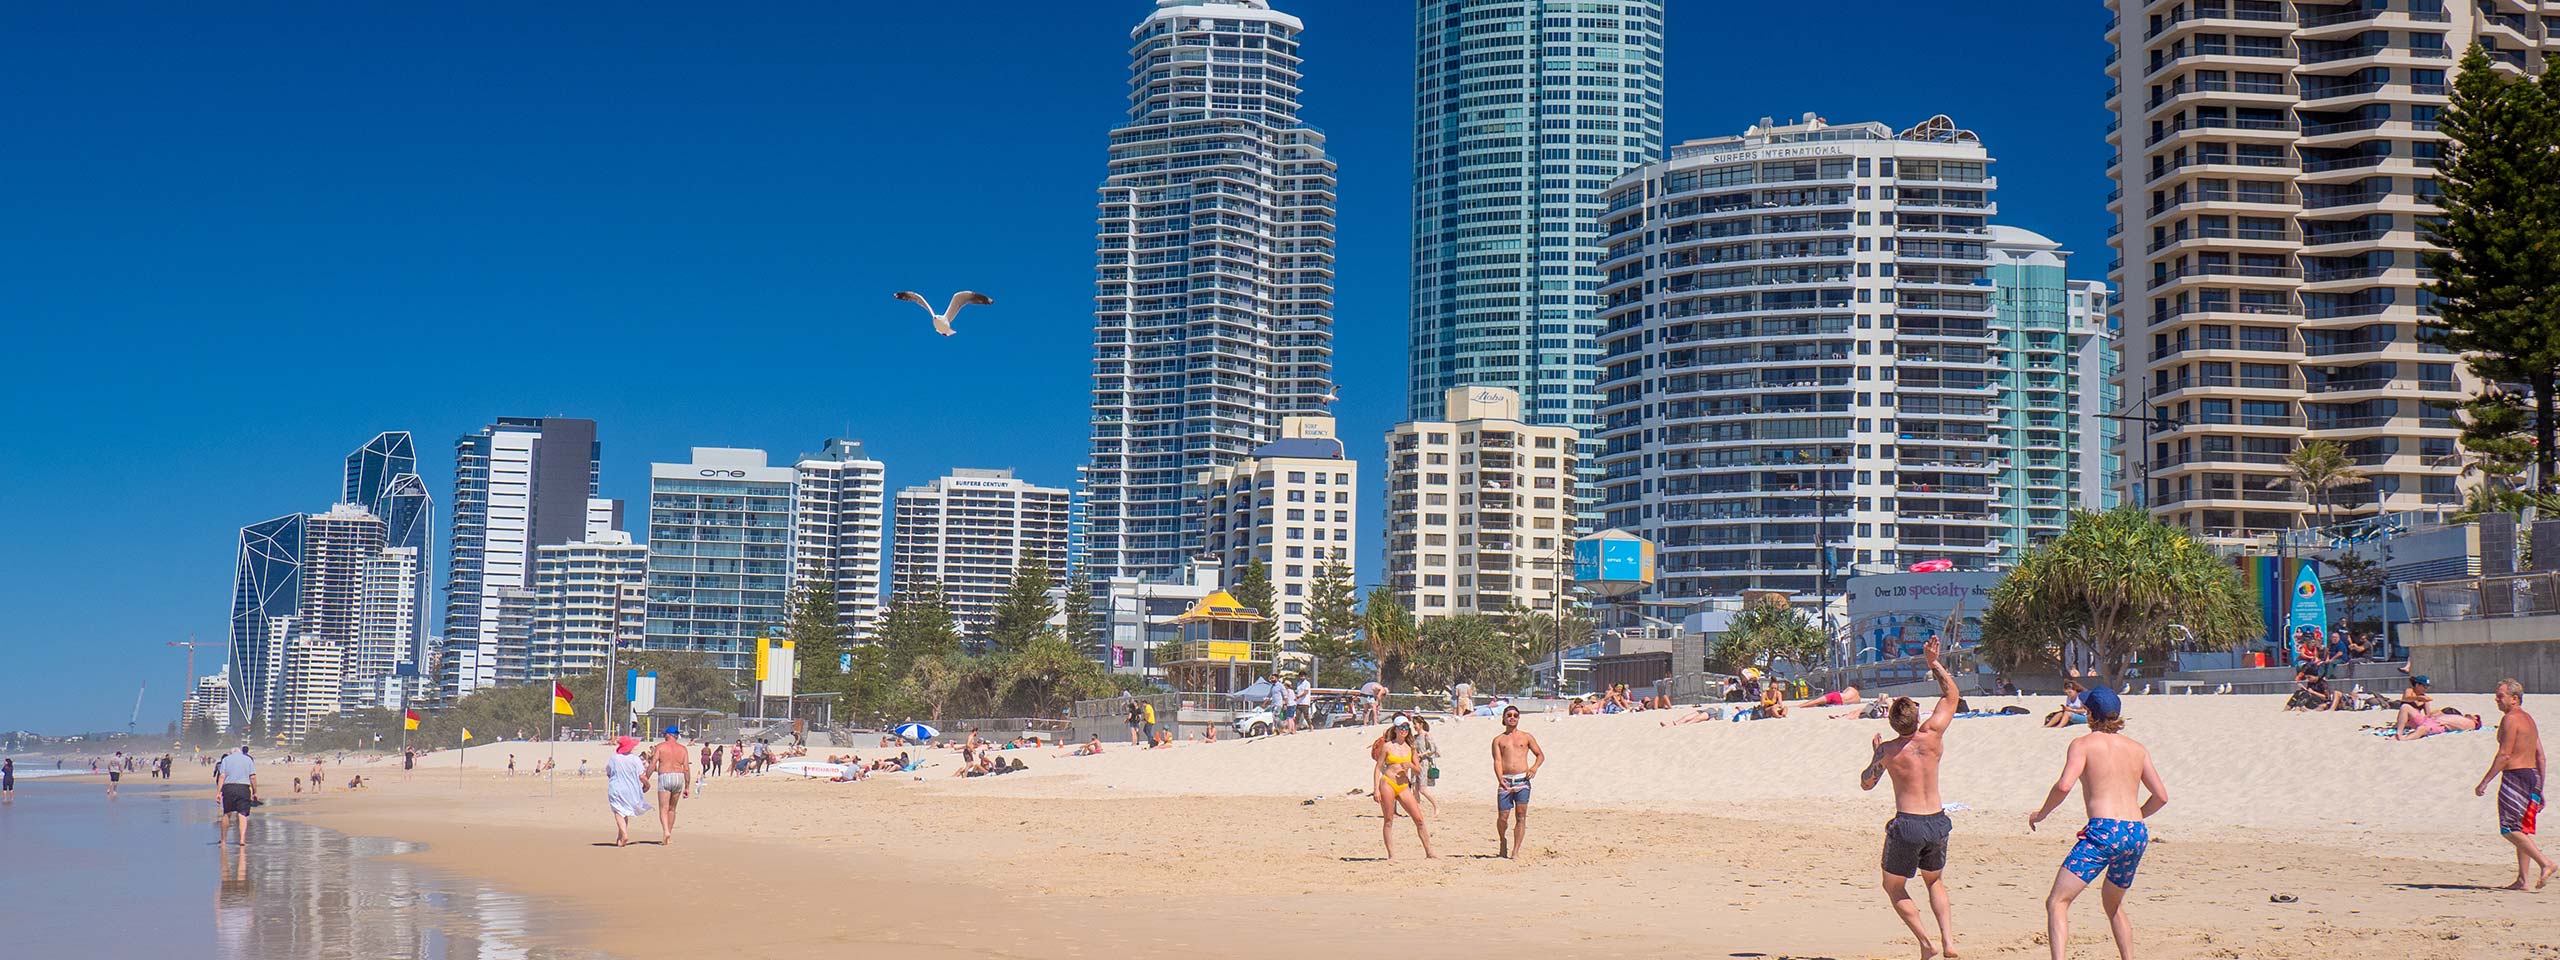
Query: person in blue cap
<point x="671" y="766"/>
<point x="2112" y="772"/>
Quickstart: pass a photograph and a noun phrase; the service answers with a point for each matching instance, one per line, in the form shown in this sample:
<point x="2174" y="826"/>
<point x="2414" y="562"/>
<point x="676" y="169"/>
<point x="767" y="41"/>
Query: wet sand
<point x="1709" y="839"/>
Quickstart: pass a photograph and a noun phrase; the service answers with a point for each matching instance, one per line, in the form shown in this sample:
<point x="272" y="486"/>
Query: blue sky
<point x="242" y="240"/>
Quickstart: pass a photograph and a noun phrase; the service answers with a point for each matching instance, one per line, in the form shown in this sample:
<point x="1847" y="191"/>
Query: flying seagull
<point x="942" y="321"/>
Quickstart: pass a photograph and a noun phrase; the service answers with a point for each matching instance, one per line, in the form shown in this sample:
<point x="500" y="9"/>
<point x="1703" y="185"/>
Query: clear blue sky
<point x="241" y="240"/>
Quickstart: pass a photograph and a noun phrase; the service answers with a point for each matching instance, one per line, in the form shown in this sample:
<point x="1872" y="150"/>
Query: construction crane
<point x="130" y="722"/>
<point x="188" y="689"/>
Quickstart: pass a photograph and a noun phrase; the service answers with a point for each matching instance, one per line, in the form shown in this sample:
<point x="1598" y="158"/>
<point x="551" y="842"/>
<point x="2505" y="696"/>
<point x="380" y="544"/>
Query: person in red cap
<point x="625" y="789"/>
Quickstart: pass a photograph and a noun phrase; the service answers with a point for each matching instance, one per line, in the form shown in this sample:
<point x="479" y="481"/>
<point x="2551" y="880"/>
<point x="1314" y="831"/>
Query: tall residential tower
<point x="1213" y="302"/>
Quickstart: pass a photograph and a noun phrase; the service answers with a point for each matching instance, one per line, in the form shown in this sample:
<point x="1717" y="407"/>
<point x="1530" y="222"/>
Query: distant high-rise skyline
<point x="1213" y="302"/>
<point x="382" y="476"/>
<point x="518" y="483"/>
<point x="1523" y="113"/>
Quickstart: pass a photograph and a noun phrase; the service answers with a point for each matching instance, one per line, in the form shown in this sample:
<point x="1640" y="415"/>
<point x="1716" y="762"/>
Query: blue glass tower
<point x="382" y="477"/>
<point x="266" y="586"/>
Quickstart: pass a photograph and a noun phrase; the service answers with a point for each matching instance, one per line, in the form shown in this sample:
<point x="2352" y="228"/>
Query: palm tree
<point x="2123" y="583"/>
<point x="2317" y="467"/>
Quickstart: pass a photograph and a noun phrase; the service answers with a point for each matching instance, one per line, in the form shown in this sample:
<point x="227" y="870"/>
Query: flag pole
<point x="551" y="767"/>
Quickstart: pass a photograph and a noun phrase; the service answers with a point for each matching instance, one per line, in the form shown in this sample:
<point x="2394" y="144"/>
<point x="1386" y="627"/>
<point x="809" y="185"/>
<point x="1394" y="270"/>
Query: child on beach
<point x="2112" y="772"/>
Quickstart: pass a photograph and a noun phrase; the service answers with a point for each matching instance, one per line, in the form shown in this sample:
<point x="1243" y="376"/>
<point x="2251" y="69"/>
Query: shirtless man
<point x="671" y="768"/>
<point x="1516" y="759"/>
<point x="2518" y="770"/>
<point x="1915" y="840"/>
<point x="2112" y="772"/>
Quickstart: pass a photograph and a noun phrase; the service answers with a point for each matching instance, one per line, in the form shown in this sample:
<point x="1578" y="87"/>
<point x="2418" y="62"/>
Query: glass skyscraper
<point x="1524" y="112"/>
<point x="382" y="477"/>
<point x="720" y="553"/>
<point x="1213" y="297"/>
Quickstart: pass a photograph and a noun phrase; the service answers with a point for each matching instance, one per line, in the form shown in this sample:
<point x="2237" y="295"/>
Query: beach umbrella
<point x="916" y="732"/>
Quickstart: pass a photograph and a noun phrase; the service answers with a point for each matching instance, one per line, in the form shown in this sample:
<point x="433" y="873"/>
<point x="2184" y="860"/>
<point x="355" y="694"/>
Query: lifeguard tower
<point x="1217" y="652"/>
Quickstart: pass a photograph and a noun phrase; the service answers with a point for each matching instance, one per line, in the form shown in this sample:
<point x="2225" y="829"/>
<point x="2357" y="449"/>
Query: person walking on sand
<point x="1915" y="840"/>
<point x="2518" y="769"/>
<point x="1462" y="699"/>
<point x="115" y="773"/>
<point x="1137" y="721"/>
<point x="408" y="763"/>
<point x="1398" y="775"/>
<point x="626" y="790"/>
<point x="1375" y="694"/>
<point x="236" y="779"/>
<point x="2112" y="772"/>
<point x="8" y="781"/>
<point x="671" y="767"/>
<point x="315" y="775"/>
<point x="1516" y="759"/>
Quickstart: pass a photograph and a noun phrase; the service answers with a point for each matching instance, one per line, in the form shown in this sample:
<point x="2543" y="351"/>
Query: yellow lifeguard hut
<point x="1217" y="652"/>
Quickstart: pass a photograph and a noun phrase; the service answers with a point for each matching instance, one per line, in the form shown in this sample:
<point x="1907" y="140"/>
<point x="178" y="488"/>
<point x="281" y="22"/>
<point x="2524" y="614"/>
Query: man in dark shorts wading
<point x="237" y="776"/>
<point x="1516" y="759"/>
<point x="1915" y="840"/>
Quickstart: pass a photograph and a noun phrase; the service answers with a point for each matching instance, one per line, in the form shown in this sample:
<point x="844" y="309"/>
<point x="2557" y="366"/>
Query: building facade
<point x="1213" y="301"/>
<point x="1480" y="507"/>
<point x="720" y="553"/>
<point x="208" y="704"/>
<point x="386" y="636"/>
<point x="839" y="526"/>
<point x="382" y="476"/>
<point x="518" y="483"/>
<point x="2274" y="166"/>
<point x="266" y="588"/>
<point x="1289" y="506"/>
<point x="1798" y="354"/>
<point x="966" y="532"/>
<point x="588" y="598"/>
<point x="2050" y="344"/>
<point x="1523" y="115"/>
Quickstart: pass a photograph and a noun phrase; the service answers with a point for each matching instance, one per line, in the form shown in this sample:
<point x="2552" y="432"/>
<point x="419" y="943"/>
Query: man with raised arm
<point x="1915" y="840"/>
<point x="2112" y="772"/>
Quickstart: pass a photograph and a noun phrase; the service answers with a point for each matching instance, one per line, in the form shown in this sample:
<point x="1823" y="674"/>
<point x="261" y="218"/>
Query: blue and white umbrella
<point x="916" y="732"/>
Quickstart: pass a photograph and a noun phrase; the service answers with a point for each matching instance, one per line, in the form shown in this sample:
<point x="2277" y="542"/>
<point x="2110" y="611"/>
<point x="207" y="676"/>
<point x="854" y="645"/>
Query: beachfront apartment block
<point x="2274" y="167"/>
<point x="2054" y="357"/>
<point x="588" y="598"/>
<point x="965" y="533"/>
<point x="518" y="484"/>
<point x="1213" y="294"/>
<point x="208" y="704"/>
<point x="386" y="637"/>
<point x="1798" y="354"/>
<point x="314" y="672"/>
<point x="720" y="553"/>
<point x="838" y="524"/>
<point x="1481" y="507"/>
<point x="1523" y="113"/>
<point x="1288" y="505"/>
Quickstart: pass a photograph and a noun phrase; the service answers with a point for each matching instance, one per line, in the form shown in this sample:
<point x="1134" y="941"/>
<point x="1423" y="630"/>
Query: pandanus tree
<point x="2124" y="584"/>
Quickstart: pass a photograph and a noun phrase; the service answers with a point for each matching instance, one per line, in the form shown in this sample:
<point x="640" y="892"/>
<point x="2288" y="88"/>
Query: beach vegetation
<point x="1769" y="631"/>
<point x="1253" y="589"/>
<point x="1470" y="647"/>
<point x="1023" y="615"/>
<point x="1387" y="627"/>
<point x="1083" y="627"/>
<point x="2315" y="468"/>
<point x="817" y="634"/>
<point x="1333" y="629"/>
<point x="917" y="626"/>
<point x="2496" y="262"/>
<point x="2122" y="585"/>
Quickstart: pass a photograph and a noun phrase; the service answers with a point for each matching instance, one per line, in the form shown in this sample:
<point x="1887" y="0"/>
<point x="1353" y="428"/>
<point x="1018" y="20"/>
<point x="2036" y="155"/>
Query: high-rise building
<point x="1798" y="355"/>
<point x="838" y="525"/>
<point x="382" y="476"/>
<point x="967" y="531"/>
<point x="1289" y="506"/>
<point x="386" y="632"/>
<point x="313" y="681"/>
<point x="2275" y="166"/>
<point x="2049" y="335"/>
<point x="1213" y="303"/>
<point x="588" y="598"/>
<point x="720" y="553"/>
<point x="1480" y="508"/>
<point x="2100" y="360"/>
<point x="518" y="484"/>
<point x="1523" y="115"/>
<point x="266" y="588"/>
<point x="209" y="702"/>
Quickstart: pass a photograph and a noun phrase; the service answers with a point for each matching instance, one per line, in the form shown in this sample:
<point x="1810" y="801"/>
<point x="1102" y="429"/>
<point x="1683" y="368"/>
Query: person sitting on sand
<point x="2417" y="695"/>
<point x="1841" y="697"/>
<point x="1773" y="704"/>
<point x="1091" y="746"/>
<point x="2072" y="712"/>
<point x="2311" y="692"/>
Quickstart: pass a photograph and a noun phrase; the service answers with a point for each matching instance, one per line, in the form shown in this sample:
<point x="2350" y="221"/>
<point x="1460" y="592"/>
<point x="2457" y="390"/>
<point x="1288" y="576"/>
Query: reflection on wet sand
<point x="299" y="892"/>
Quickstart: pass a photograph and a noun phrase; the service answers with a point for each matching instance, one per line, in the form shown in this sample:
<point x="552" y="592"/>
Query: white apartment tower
<point x="837" y="523"/>
<point x="2274" y="164"/>
<point x="1213" y="300"/>
<point x="720" y="553"/>
<point x="966" y="532"/>
<point x="588" y="597"/>
<point x="1798" y="353"/>
<point x="385" y="631"/>
<point x="1480" y="507"/>
<point x="518" y="483"/>
<point x="1290" y="506"/>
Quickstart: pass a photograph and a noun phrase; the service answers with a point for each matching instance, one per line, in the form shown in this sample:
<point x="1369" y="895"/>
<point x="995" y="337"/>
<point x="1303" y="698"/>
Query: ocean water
<point x="141" y="878"/>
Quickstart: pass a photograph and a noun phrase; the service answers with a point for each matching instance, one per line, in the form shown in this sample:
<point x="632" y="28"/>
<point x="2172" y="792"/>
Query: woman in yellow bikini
<point x="1398" y="774"/>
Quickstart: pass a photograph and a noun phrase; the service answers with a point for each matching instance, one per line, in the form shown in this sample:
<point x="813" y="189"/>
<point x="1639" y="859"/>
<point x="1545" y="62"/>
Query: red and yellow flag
<point x="408" y="719"/>
<point x="560" y="699"/>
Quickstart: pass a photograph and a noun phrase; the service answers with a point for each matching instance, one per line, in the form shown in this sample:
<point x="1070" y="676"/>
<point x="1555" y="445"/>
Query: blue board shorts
<point x="2112" y="847"/>
<point x="1514" y="792"/>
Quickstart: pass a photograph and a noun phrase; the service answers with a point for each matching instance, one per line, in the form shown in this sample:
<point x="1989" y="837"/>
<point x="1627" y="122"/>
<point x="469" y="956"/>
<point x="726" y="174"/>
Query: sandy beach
<point x="1714" y="839"/>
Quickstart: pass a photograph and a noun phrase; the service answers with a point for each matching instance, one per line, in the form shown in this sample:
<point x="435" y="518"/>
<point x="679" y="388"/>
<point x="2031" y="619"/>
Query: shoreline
<point x="1218" y="847"/>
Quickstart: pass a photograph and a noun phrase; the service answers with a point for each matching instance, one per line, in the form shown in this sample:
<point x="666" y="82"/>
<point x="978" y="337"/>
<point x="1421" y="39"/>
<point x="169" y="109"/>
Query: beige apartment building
<point x="1289" y="505"/>
<point x="2274" y="164"/>
<point x="1480" y="507"/>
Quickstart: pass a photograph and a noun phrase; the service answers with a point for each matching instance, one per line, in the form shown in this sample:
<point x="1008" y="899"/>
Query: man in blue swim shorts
<point x="2112" y="772"/>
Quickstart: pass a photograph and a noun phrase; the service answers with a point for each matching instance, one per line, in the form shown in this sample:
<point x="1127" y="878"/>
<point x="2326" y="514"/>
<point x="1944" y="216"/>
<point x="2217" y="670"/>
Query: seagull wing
<point x="913" y="297"/>
<point x="952" y="312"/>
